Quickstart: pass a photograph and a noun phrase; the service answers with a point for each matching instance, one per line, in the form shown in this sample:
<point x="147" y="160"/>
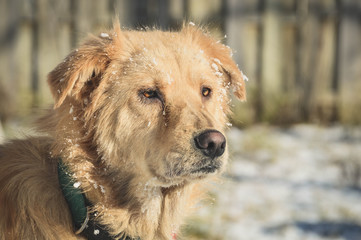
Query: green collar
<point x="73" y="195"/>
<point x="79" y="206"/>
<point x="84" y="220"/>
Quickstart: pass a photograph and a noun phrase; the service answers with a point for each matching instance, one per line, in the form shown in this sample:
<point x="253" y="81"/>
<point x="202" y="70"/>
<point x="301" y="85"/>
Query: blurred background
<point x="295" y="144"/>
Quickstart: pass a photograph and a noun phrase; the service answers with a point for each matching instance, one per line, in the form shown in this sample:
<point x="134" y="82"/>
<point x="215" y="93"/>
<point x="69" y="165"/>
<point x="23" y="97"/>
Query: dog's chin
<point x="194" y="176"/>
<point x="205" y="171"/>
<point x="190" y="175"/>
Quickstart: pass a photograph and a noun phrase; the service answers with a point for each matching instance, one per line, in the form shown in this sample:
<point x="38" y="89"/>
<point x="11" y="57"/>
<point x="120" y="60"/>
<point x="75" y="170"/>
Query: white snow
<point x="218" y="74"/>
<point x="104" y="35"/>
<point x="215" y="67"/>
<point x="217" y="60"/>
<point x="170" y="80"/>
<point x="245" y="78"/>
<point x="77" y="184"/>
<point x="102" y="189"/>
<point x="155" y="61"/>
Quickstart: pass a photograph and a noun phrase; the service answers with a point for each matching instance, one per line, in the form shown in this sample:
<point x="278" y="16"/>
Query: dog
<point x="136" y="130"/>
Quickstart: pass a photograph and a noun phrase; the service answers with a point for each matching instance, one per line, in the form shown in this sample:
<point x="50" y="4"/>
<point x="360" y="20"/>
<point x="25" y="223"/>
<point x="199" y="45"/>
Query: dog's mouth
<point x="180" y="175"/>
<point x="180" y="168"/>
<point x="207" y="169"/>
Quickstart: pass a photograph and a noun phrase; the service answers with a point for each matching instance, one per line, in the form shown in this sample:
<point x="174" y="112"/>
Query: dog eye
<point x="206" y="92"/>
<point x="150" y="94"/>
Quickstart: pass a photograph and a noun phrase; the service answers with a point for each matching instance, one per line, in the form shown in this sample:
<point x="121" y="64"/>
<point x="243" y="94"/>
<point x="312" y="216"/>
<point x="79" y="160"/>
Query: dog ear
<point x="230" y="68"/>
<point x="81" y="71"/>
<point x="80" y="66"/>
<point x="220" y="55"/>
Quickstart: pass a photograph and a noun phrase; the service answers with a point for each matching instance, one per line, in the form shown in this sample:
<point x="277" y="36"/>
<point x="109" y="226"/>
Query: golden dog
<point x="138" y="123"/>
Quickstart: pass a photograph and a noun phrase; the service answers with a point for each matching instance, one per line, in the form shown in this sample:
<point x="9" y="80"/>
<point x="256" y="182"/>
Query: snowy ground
<point x="300" y="183"/>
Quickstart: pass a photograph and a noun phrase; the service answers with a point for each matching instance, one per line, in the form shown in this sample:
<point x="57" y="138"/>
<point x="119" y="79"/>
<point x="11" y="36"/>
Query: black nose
<point x="212" y="143"/>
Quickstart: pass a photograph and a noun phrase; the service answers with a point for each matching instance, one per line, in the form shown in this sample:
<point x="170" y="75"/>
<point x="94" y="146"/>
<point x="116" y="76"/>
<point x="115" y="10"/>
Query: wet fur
<point x="134" y="157"/>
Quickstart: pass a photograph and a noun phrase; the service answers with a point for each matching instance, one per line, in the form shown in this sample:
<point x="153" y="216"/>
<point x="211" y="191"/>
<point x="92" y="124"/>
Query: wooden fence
<point x="303" y="58"/>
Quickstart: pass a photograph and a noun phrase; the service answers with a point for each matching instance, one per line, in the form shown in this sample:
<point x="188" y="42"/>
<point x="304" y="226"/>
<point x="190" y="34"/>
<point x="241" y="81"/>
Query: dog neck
<point x="84" y="219"/>
<point x="146" y="210"/>
<point x="131" y="206"/>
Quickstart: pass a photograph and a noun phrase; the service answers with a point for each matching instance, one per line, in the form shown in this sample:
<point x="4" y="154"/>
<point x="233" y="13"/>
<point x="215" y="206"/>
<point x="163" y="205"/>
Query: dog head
<point x="154" y="103"/>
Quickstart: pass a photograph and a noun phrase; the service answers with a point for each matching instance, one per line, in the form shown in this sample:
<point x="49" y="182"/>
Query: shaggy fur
<point x="133" y="154"/>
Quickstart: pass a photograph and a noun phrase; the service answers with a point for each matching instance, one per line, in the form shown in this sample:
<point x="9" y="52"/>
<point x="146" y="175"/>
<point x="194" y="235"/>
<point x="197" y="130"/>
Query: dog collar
<point x="83" y="219"/>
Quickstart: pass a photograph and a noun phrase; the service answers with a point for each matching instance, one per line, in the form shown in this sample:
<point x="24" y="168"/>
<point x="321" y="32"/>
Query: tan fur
<point x="133" y="156"/>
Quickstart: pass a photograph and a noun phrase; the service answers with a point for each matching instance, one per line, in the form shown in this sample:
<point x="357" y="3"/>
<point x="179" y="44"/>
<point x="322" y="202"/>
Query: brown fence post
<point x="35" y="53"/>
<point x="336" y="62"/>
<point x="258" y="104"/>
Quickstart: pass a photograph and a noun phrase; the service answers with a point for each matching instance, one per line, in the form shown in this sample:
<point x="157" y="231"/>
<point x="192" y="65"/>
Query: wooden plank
<point x="272" y="62"/>
<point x="21" y="64"/>
<point x="202" y="9"/>
<point x="350" y="62"/>
<point x="321" y="102"/>
<point x="7" y="35"/>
